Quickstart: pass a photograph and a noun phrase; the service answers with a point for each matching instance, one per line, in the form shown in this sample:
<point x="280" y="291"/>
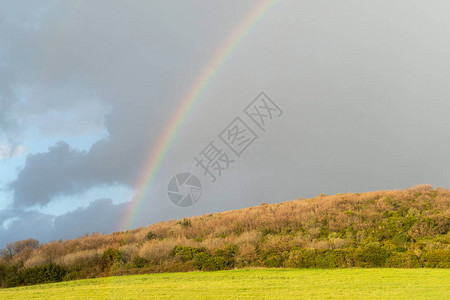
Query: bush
<point x="302" y="258"/>
<point x="43" y="274"/>
<point x="221" y="260"/>
<point x="81" y="259"/>
<point x="372" y="255"/>
<point x="74" y="275"/>
<point x="201" y="260"/>
<point x="326" y="259"/>
<point x="2" y="275"/>
<point x="185" y="222"/>
<point x="12" y="277"/>
<point x="403" y="260"/>
<point x="273" y="260"/>
<point x="139" y="262"/>
<point x="186" y="253"/>
<point x="400" y="239"/>
<point x="151" y="235"/>
<point x="111" y="257"/>
<point x="157" y="251"/>
<point x="439" y="258"/>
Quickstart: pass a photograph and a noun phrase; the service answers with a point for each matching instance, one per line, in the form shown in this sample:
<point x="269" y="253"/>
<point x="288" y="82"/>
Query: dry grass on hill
<point x="408" y="223"/>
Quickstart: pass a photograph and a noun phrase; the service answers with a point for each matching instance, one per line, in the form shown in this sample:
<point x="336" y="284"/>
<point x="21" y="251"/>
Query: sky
<point x="355" y="98"/>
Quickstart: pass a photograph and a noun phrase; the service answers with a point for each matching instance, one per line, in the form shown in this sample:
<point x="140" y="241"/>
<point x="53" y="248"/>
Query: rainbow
<point x="184" y="109"/>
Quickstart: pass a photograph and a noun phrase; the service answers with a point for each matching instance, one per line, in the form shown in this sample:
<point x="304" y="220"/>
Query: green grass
<point x="253" y="283"/>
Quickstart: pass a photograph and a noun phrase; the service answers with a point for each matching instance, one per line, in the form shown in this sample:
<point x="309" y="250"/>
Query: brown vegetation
<point x="409" y="227"/>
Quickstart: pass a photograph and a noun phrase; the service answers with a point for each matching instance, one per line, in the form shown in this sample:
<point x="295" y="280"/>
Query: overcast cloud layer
<point x="363" y="86"/>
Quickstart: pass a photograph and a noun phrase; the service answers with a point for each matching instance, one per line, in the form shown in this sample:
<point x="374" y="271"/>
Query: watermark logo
<point x="263" y="110"/>
<point x="227" y="147"/>
<point x="184" y="189"/>
<point x="238" y="136"/>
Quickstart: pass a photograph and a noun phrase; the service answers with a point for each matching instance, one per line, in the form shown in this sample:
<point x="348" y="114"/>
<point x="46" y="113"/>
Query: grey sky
<point x="89" y="86"/>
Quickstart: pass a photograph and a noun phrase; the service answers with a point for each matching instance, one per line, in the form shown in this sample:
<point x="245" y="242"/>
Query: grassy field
<point x="253" y="283"/>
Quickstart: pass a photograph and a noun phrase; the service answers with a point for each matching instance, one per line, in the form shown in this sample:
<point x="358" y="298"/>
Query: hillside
<point x="403" y="228"/>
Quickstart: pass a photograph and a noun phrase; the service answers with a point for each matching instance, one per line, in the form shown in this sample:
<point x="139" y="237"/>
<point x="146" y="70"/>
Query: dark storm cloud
<point x="56" y="58"/>
<point x="100" y="216"/>
<point x="132" y="58"/>
<point x="24" y="225"/>
<point x="42" y="178"/>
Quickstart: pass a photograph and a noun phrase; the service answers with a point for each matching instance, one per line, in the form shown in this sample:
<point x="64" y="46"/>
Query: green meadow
<point x="252" y="283"/>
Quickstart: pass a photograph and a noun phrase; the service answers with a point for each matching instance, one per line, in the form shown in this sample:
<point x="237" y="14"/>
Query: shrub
<point x="302" y="258"/>
<point x="403" y="260"/>
<point x="224" y="259"/>
<point x="221" y="260"/>
<point x="2" y="275"/>
<point x="43" y="274"/>
<point x="372" y="255"/>
<point x="129" y="252"/>
<point x="151" y="235"/>
<point x="401" y="239"/>
<point x="12" y="276"/>
<point x="81" y="259"/>
<point x="139" y="262"/>
<point x="34" y="261"/>
<point x="185" y="222"/>
<point x="439" y="258"/>
<point x="52" y="251"/>
<point x="110" y="257"/>
<point x="247" y="254"/>
<point x="186" y="253"/>
<point x="231" y="250"/>
<point x="250" y="237"/>
<point x="326" y="259"/>
<point x="20" y="246"/>
<point x="202" y="260"/>
<point x="157" y="251"/>
<point x="74" y="275"/>
<point x="273" y="260"/>
<point x="311" y="258"/>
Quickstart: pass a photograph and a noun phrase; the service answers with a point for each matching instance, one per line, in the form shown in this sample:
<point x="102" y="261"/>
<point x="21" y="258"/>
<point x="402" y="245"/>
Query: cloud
<point x="99" y="216"/>
<point x="8" y="125"/>
<point x="118" y="66"/>
<point x="10" y="151"/>
<point x="26" y="224"/>
<point x="36" y="186"/>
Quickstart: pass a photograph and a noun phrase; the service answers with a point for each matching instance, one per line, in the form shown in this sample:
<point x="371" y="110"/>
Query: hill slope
<point x="404" y="228"/>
